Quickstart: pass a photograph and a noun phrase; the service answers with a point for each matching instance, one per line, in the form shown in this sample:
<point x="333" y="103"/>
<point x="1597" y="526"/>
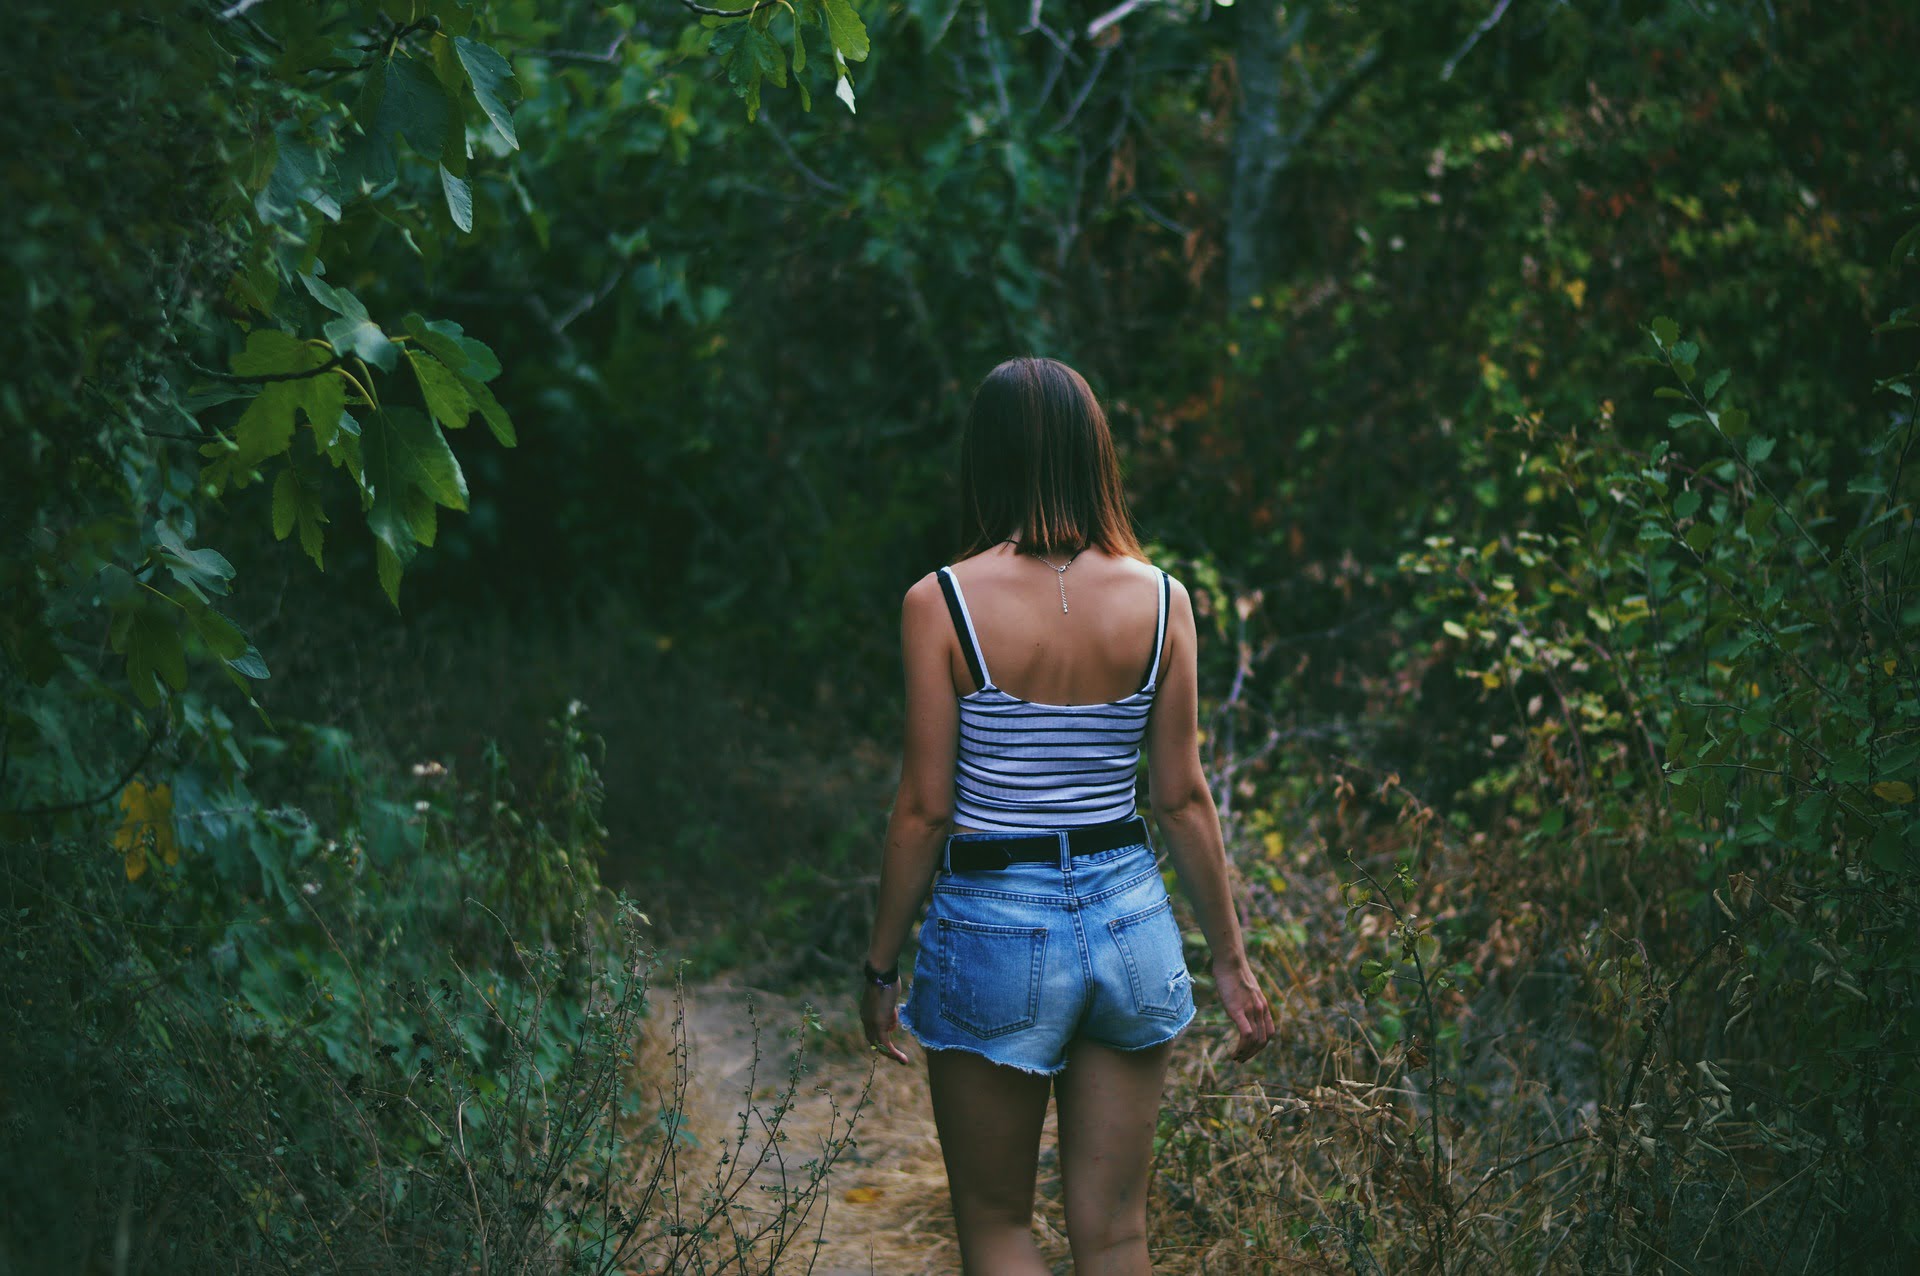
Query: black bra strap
<point x="1159" y="633"/>
<point x="960" y="628"/>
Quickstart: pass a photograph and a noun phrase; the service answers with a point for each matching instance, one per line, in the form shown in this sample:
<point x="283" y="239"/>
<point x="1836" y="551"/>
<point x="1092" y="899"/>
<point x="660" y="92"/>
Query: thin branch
<point x="1486" y="24"/>
<point x="587" y="302"/>
<point x="1159" y="218"/>
<point x="993" y="64"/>
<point x="728" y="13"/>
<point x="793" y="157"/>
<point x="1086" y="87"/>
<point x="607" y="56"/>
<point x="264" y="377"/>
<point x="1112" y="16"/>
<point x="153" y="738"/>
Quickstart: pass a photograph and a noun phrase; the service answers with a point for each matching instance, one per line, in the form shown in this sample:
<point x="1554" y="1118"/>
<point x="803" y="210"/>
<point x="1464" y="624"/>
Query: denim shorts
<point x="1017" y="962"/>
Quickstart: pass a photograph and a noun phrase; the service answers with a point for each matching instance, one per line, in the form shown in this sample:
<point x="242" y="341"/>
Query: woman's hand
<point x="1246" y="1006"/>
<point x="880" y="1017"/>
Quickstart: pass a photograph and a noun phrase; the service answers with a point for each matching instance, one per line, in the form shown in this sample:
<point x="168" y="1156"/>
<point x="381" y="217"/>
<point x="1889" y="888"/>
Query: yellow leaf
<point x="863" y="1195"/>
<point x="1897" y="792"/>
<point x="1576" y="291"/>
<point x="1889" y="664"/>
<point x="146" y="823"/>
<point x="1274" y="844"/>
<point x="1490" y="679"/>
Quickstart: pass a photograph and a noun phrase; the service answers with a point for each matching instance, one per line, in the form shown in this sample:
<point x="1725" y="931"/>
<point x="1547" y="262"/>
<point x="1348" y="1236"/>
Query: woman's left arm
<point x="923" y="806"/>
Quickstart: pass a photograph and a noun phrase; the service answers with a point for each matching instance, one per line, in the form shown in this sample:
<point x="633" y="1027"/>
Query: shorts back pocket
<point x="990" y="975"/>
<point x="1149" y="942"/>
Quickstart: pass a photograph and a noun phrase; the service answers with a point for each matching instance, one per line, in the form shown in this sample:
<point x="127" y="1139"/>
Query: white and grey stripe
<point x="1024" y="765"/>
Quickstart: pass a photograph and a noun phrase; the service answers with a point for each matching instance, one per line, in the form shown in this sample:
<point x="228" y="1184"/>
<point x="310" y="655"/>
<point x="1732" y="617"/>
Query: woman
<point x="1049" y="961"/>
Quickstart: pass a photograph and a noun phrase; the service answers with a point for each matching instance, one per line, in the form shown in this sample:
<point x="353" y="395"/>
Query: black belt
<point x="971" y="852"/>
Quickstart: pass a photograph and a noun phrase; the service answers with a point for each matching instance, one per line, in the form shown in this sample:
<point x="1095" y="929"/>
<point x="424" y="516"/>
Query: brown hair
<point x="1037" y="461"/>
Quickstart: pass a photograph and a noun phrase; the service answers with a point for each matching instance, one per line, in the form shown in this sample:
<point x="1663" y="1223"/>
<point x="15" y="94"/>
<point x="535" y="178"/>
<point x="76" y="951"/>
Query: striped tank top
<point x="1023" y="765"/>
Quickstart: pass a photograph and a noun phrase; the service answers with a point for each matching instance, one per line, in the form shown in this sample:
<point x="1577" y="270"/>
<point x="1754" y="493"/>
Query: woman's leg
<point x="1109" y="1103"/>
<point x="989" y="1119"/>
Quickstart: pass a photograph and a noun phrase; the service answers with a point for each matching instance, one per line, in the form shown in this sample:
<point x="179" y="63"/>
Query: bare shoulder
<point x="923" y="596"/>
<point x="1179" y="602"/>
<point x="1153" y="572"/>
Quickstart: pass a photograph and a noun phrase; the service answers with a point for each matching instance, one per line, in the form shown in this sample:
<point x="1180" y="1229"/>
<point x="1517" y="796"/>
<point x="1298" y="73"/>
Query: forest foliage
<point x="1526" y="391"/>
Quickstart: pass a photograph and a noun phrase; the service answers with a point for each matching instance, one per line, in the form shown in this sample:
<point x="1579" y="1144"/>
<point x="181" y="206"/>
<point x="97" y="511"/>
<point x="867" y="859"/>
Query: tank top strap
<point x="963" y="628"/>
<point x="1159" y="633"/>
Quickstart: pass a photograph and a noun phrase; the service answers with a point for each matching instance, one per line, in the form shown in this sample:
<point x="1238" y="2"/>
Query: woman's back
<point x="1098" y="650"/>
<point x="1053" y="709"/>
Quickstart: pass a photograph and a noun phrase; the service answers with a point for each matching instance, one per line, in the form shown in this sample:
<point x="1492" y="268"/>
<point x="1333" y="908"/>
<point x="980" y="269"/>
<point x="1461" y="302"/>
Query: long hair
<point x="1037" y="462"/>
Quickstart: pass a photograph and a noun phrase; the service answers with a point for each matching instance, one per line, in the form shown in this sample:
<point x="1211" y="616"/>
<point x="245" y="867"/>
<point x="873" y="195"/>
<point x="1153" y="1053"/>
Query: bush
<point x="388" y="1028"/>
<point x="1640" y="995"/>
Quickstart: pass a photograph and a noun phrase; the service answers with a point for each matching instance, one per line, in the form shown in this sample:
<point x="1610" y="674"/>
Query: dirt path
<point x="886" y="1199"/>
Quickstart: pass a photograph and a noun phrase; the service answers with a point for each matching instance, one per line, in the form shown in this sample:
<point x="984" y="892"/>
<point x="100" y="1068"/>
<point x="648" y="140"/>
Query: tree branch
<point x="793" y="157"/>
<point x="140" y="760"/>
<point x="607" y="56"/>
<point x="264" y="377"/>
<point x="1112" y="16"/>
<point x="1486" y="24"/>
<point x="728" y="13"/>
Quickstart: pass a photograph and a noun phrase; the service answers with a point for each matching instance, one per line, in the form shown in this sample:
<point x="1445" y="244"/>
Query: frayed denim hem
<point x="1017" y="1067"/>
<point x="1060" y="1067"/>
<point x="907" y="1023"/>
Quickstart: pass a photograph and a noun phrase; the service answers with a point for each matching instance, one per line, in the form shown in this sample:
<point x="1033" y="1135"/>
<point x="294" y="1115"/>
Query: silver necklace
<point x="1060" y="572"/>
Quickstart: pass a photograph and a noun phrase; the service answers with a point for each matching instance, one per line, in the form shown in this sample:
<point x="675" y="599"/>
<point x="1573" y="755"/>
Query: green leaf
<point x="203" y="571"/>
<point x="448" y="342"/>
<point x="416" y="106"/>
<point x="265" y="429"/>
<point x="459" y="198"/>
<point x="768" y="58"/>
<point x="353" y="332"/>
<point x="155" y="654"/>
<point x="221" y="635"/>
<point x="1665" y="332"/>
<point x="491" y="412"/>
<point x="271" y="350"/>
<point x="1687" y="504"/>
<point x="493" y="85"/>
<point x="1759" y="448"/>
<point x="283" y="505"/>
<point x="845" y="29"/>
<point x="440" y="386"/>
<point x="1714" y="383"/>
<point x="296" y="505"/>
<point x="362" y="337"/>
<point x="299" y="177"/>
<point x="409" y="470"/>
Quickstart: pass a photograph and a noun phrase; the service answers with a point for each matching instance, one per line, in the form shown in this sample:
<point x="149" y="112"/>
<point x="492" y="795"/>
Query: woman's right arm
<point x="1189" y="822"/>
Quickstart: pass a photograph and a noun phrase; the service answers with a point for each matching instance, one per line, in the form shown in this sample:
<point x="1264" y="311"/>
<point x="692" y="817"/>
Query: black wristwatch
<point x="880" y="978"/>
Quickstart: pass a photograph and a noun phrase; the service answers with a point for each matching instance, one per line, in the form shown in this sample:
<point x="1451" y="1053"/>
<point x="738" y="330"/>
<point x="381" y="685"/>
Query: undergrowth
<point x="387" y="1023"/>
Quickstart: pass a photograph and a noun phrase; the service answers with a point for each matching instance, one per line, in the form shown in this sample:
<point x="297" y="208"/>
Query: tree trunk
<point x="1258" y="142"/>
